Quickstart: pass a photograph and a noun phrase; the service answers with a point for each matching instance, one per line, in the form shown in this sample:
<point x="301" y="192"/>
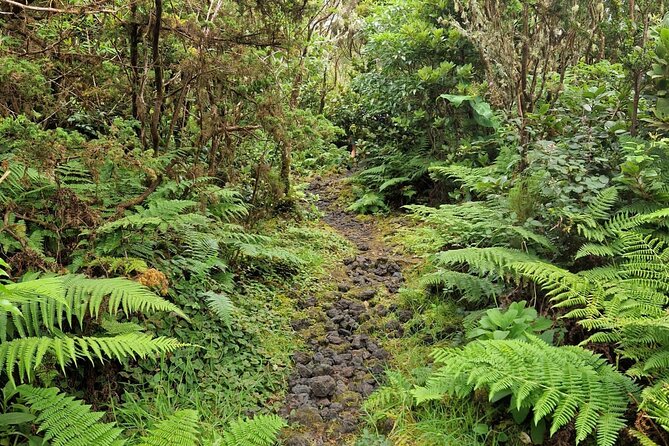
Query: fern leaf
<point x="221" y="305"/>
<point x="24" y="355"/>
<point x="561" y="382"/>
<point x="262" y="430"/>
<point x="180" y="429"/>
<point x="68" y="422"/>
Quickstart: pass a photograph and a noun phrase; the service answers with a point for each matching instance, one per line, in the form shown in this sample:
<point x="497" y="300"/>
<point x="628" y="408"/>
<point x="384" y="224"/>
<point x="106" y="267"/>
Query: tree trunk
<point x="134" y="72"/>
<point x="158" y="74"/>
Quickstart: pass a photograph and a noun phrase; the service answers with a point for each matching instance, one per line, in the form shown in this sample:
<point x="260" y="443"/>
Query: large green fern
<point x="34" y="313"/>
<point x="46" y="304"/>
<point x="561" y="383"/>
<point x="25" y="355"/>
<point x="67" y="421"/>
<point x="180" y="429"/>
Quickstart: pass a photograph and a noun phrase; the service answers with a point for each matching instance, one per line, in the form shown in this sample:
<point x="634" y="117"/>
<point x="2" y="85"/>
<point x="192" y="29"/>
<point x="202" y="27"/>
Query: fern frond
<point x="180" y="429"/>
<point x="484" y="260"/>
<point x="221" y="305"/>
<point x="656" y="403"/>
<point x="25" y="355"/>
<point x="473" y="289"/>
<point x="47" y="302"/>
<point x="561" y="382"/>
<point x="262" y="430"/>
<point x="69" y="422"/>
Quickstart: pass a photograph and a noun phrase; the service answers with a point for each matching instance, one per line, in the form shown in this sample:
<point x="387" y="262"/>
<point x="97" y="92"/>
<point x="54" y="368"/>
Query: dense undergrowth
<point x="156" y="232"/>
<point x="540" y="306"/>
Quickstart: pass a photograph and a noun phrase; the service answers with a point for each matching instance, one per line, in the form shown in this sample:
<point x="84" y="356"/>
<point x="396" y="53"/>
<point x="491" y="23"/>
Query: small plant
<point x="516" y="322"/>
<point x="370" y="203"/>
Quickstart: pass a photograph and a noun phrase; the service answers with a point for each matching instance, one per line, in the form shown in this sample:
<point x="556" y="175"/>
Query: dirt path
<point x="345" y="361"/>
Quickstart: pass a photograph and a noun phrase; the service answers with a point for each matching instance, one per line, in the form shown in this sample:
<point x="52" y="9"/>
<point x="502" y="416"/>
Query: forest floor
<point x="343" y="329"/>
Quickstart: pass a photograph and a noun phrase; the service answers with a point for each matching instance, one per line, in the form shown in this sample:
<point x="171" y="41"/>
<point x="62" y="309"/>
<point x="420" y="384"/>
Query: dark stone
<point x="393" y="325"/>
<point x="297" y="440"/>
<point x="323" y="386"/>
<point x="341" y="388"/>
<point x="343" y="287"/>
<point x="342" y="358"/>
<point x="349" y="260"/>
<point x="301" y="388"/>
<point x="366" y="294"/>
<point x="344" y="303"/>
<point x="323" y="402"/>
<point x="344" y="332"/>
<point x="322" y="369"/>
<point x="381" y="271"/>
<point x="307" y="303"/>
<point x="377" y="369"/>
<point x="301" y="357"/>
<point x="333" y="338"/>
<point x="347" y="372"/>
<point x="306" y="416"/>
<point x="303" y="371"/>
<point x="405" y="316"/>
<point x="328" y="352"/>
<point x="300" y="324"/>
<point x="386" y="425"/>
<point x="382" y="310"/>
<point x="365" y="389"/>
<point x="347" y="425"/>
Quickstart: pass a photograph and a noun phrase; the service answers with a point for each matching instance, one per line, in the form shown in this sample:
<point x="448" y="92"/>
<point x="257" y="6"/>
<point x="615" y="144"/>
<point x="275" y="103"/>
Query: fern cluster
<point x="66" y="421"/>
<point x="480" y="224"/>
<point x="558" y="383"/>
<point x="35" y="313"/>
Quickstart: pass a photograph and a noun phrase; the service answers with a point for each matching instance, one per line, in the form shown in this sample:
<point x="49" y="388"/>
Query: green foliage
<point x="405" y="106"/>
<point x="179" y="429"/>
<point x="659" y="74"/>
<point x="66" y="421"/>
<point x="221" y="305"/>
<point x="473" y="289"/>
<point x="483" y="223"/>
<point x="515" y="322"/>
<point x="369" y="203"/>
<point x="262" y="430"/>
<point x="426" y="424"/>
<point x="564" y="384"/>
<point x="656" y="403"/>
<point x="34" y="308"/>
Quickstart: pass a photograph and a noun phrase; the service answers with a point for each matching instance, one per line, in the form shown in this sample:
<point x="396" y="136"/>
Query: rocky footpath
<point x="344" y="362"/>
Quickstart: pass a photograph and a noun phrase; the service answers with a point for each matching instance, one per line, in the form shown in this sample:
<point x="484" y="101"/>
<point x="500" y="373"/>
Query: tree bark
<point x="134" y="72"/>
<point x="158" y="76"/>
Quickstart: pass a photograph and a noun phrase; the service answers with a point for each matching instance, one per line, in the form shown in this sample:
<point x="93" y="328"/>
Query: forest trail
<point x="344" y="361"/>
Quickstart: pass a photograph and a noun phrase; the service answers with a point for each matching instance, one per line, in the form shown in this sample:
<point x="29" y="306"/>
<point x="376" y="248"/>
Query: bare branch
<point x="59" y="11"/>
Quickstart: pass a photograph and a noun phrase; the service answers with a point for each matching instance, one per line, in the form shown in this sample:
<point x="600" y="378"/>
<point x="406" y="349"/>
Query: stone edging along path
<point x="344" y="362"/>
